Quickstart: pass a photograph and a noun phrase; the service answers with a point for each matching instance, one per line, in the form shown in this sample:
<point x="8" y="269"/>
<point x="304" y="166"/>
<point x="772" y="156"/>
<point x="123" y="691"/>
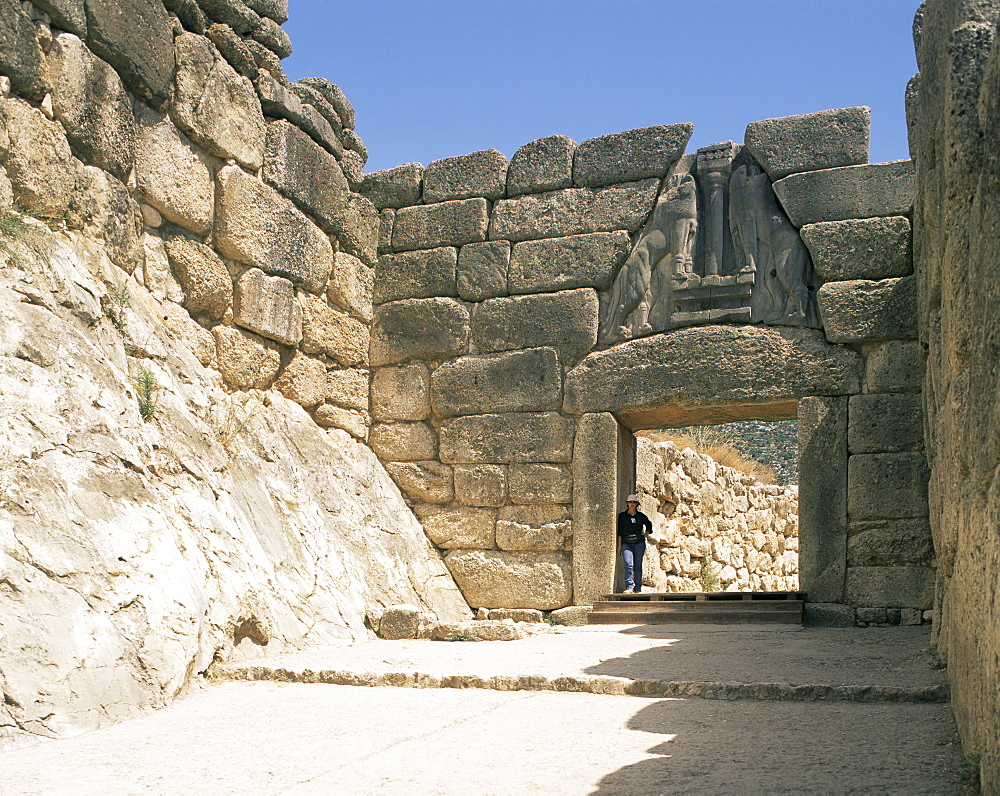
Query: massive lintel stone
<point x="136" y="38"/>
<point x="482" y="268"/>
<point x="887" y="543"/>
<point x="862" y="311"/>
<point x="890" y="587"/>
<point x="396" y="187"/>
<point x="629" y="156"/>
<point x="465" y="176"/>
<point x="887" y="486"/>
<point x="444" y="224"/>
<point x="545" y="164"/>
<point x="457" y="526"/>
<point x="172" y="175"/>
<point x="304" y="172"/>
<point x="90" y="100"/>
<point x="402" y="393"/>
<point x="417" y="274"/>
<point x="216" y="106"/>
<point x="874" y="190"/>
<point x="542" y="266"/>
<point x="567" y="321"/>
<point x="540" y="483"/>
<point x="499" y="439"/>
<point x="259" y="227"/>
<point x="266" y="305"/>
<point x="871" y="248"/>
<point x="885" y="423"/>
<point x="574" y="211"/>
<point x="517" y="381"/>
<point x="810" y="141"/>
<point x="21" y="58"/>
<point x="429" y="329"/>
<point x="710" y="369"/>
<point x="517" y="579"/>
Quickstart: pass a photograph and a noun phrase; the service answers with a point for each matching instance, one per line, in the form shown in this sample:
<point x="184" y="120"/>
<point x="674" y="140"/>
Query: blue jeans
<point x="632" y="556"/>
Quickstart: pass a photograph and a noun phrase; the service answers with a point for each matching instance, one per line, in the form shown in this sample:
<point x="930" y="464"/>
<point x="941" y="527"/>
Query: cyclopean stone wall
<point x="503" y="413"/>
<point x="954" y="123"/>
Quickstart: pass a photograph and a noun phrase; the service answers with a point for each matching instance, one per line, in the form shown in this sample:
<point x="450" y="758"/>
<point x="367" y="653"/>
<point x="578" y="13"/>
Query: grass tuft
<point x="146" y="387"/>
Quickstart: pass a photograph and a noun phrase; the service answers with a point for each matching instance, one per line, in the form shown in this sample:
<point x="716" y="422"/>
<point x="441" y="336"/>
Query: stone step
<point x="741" y="608"/>
<point x="696" y="616"/>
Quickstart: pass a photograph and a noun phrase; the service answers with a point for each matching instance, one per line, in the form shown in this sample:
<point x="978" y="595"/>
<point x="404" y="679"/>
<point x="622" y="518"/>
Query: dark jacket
<point x="631" y="527"/>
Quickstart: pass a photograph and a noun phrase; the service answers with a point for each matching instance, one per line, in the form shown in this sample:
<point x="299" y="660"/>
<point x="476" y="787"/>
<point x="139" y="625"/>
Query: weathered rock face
<point x="954" y="120"/>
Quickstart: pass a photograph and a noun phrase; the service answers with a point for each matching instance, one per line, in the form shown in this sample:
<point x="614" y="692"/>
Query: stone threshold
<point x="592" y="684"/>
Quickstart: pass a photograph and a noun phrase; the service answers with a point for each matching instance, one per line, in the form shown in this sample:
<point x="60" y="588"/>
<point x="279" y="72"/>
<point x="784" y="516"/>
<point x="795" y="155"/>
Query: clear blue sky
<point x="433" y="78"/>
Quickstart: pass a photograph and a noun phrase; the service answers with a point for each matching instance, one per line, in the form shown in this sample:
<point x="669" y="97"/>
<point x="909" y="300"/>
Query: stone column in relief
<point x="823" y="498"/>
<point x="603" y="472"/>
<point x="715" y="164"/>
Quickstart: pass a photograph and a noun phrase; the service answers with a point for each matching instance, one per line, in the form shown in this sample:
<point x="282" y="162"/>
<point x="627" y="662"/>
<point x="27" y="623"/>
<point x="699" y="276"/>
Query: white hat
<point x="632" y="499"/>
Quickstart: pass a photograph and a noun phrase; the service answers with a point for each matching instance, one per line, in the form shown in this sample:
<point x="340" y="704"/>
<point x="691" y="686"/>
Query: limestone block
<point x="429" y="481"/>
<point x="281" y="101"/>
<point x="403" y="442"/>
<point x="458" y="527"/>
<point x="234" y="13"/>
<point x="868" y="248"/>
<point x="710" y="365"/>
<point x="402" y="393"/>
<point x="893" y="366"/>
<point x="880" y="543"/>
<point x="572" y="615"/>
<point x="353" y="422"/>
<point x="21" y="57"/>
<point x="481" y="271"/>
<point x="172" y="175"/>
<point x="566" y="321"/>
<point x="828" y="615"/>
<point x="348" y="388"/>
<point x="266" y="305"/>
<point x="316" y="101"/>
<point x="330" y="91"/>
<point x="158" y="277"/>
<point x="515" y="381"/>
<point x="327" y="330"/>
<point x="543" y="266"/>
<point x="245" y="360"/>
<point x="629" y="156"/>
<point x="397" y="622"/>
<point x="215" y="105"/>
<point x="36" y="156"/>
<point x="270" y="34"/>
<point x="135" y="37"/>
<point x="507" y="438"/>
<point x="354" y="169"/>
<point x="822" y="435"/>
<point x="351" y="286"/>
<point x="540" y="483"/>
<point x="481" y="485"/>
<point x="465" y="176"/>
<point x="542" y="527"/>
<point x="545" y="164"/>
<point x="519" y="579"/>
<point x="890" y="587"/>
<point x="198" y="340"/>
<point x="358" y="229"/>
<point x="303" y="380"/>
<point x="874" y="190"/>
<point x="102" y="206"/>
<point x="257" y="226"/>
<point x="68" y="15"/>
<point x="352" y="141"/>
<point x="208" y="287"/>
<point x="516" y="614"/>
<point x="304" y="172"/>
<point x="810" y="141"/>
<point x="226" y="40"/>
<point x="862" y="311"/>
<point x="90" y="100"/>
<point x="887" y="486"/>
<point x="418" y="274"/>
<point x="397" y="187"/>
<point x="386" y="220"/>
<point x="445" y="224"/>
<point x="884" y="422"/>
<point x="429" y="329"/>
<point x="573" y="211"/>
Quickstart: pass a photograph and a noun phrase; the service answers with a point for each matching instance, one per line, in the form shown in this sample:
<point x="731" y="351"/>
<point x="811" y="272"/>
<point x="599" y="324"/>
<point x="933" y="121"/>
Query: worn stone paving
<point x="272" y="737"/>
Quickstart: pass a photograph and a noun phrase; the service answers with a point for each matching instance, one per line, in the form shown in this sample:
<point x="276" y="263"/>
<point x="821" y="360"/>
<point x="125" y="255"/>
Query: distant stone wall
<point x="492" y="280"/>
<point x="170" y="132"/>
<point x="954" y="119"/>
<point x="709" y="516"/>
